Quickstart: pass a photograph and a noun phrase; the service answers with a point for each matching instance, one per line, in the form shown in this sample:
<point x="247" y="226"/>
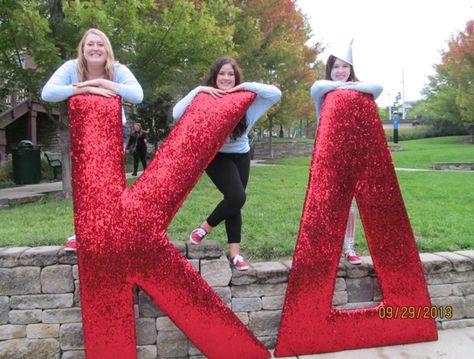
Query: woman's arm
<point x="367" y="87"/>
<point x="183" y="104"/>
<point x="59" y="86"/>
<point x="267" y="96"/>
<point x="130" y="141"/>
<point x="125" y="84"/>
<point x="320" y="89"/>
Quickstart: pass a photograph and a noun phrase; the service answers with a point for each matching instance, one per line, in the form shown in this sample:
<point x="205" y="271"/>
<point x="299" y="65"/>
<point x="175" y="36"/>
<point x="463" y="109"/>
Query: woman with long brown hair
<point x="230" y="168"/>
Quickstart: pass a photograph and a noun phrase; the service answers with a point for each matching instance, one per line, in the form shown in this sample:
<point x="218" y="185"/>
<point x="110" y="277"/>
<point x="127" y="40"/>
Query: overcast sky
<point x="390" y="37"/>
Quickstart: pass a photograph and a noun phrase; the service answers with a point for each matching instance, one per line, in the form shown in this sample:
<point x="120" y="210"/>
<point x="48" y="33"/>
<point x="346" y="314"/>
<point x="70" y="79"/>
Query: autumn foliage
<point x="450" y="94"/>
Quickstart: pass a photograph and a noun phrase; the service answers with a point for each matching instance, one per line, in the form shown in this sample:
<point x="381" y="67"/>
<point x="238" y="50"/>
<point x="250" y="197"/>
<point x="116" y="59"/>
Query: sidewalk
<point x="27" y="193"/>
<point x="455" y="343"/>
<point x="32" y="192"/>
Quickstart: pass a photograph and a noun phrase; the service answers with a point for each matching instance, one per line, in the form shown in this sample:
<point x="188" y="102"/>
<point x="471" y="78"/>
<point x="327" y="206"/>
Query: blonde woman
<point x="95" y="71"/>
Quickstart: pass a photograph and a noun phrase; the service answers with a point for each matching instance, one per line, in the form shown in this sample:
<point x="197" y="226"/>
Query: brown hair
<point x="216" y="66"/>
<point x="82" y="63"/>
<point x="330" y="64"/>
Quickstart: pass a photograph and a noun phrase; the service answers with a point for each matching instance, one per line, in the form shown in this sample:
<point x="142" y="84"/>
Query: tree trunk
<point x="65" y="154"/>
<point x="270" y="143"/>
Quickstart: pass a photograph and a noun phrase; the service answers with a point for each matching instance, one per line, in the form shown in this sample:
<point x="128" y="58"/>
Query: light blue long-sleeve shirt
<point x="60" y="86"/>
<point x="267" y="96"/>
<point x="321" y="87"/>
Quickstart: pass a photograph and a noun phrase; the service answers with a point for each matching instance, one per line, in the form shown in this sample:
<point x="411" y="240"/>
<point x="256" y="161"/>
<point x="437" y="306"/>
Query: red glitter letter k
<point x="122" y="232"/>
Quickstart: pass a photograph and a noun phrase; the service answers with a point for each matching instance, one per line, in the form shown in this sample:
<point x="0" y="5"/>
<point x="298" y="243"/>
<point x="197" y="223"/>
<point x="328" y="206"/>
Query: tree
<point x="450" y="93"/>
<point x="270" y="38"/>
<point x="167" y="44"/>
<point x="459" y="63"/>
<point x="174" y="47"/>
<point x="24" y="35"/>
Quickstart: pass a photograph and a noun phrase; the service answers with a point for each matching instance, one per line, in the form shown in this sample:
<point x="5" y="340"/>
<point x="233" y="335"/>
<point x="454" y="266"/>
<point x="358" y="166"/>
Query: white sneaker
<point x="197" y="235"/>
<point x="239" y="263"/>
<point x="70" y="245"/>
<point x="352" y="257"/>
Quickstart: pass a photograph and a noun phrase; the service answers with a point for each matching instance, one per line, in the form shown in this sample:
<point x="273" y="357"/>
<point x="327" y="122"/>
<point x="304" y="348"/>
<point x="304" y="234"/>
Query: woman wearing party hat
<point x="340" y="74"/>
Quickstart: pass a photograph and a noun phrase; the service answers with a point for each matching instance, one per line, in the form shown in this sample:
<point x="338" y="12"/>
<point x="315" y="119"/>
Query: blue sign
<point x="395" y="121"/>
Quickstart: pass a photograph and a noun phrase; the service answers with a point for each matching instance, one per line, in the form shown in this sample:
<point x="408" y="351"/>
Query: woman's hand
<point x="94" y="83"/>
<point x="99" y="83"/>
<point x="214" y="92"/>
<point x="102" y="92"/>
<point x="94" y="90"/>
<point x="236" y="88"/>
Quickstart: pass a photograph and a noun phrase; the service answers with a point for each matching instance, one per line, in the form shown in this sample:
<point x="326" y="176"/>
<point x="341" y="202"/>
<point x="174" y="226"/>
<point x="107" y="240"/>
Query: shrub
<point x="436" y="128"/>
<point x="6" y="172"/>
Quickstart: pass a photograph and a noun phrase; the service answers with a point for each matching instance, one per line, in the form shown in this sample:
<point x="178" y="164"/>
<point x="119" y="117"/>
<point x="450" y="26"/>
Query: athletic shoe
<point x="352" y="257"/>
<point x="197" y="235"/>
<point x="239" y="263"/>
<point x="70" y="245"/>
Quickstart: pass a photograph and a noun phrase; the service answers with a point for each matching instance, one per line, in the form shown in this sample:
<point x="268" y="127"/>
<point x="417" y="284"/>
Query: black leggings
<point x="230" y="174"/>
<point x="139" y="156"/>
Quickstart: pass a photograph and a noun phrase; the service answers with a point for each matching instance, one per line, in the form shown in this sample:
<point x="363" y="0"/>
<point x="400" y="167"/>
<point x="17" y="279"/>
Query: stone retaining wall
<point x="261" y="150"/>
<point x="40" y="315"/>
<point x="454" y="166"/>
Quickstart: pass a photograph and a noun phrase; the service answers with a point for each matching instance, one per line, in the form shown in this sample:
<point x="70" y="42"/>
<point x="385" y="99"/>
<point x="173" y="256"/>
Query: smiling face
<point x="340" y="71"/>
<point x="225" y="79"/>
<point x="95" y="50"/>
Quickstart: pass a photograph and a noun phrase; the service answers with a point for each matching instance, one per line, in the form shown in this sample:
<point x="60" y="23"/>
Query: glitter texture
<point x="121" y="232"/>
<point x="351" y="157"/>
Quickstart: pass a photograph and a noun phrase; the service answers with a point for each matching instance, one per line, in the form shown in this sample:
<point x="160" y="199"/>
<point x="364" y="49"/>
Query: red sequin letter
<point x="122" y="232"/>
<point x="351" y="157"/>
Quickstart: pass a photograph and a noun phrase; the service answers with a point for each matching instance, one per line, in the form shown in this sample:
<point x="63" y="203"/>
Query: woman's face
<point x="340" y="71"/>
<point x="136" y="127"/>
<point x="226" y="77"/>
<point x="95" y="51"/>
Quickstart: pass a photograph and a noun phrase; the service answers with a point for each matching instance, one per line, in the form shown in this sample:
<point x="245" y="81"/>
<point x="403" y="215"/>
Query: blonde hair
<point x="82" y="63"/>
<point x="139" y="125"/>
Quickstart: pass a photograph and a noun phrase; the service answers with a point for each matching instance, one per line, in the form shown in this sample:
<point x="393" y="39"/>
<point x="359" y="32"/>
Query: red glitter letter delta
<point x="351" y="157"/>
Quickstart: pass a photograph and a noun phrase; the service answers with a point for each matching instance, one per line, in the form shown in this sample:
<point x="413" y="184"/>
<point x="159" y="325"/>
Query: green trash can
<point x="26" y="161"/>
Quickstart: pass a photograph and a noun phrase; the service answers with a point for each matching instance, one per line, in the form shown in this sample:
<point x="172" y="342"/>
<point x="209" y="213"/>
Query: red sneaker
<point x="352" y="257"/>
<point x="70" y="245"/>
<point x="239" y="263"/>
<point x="197" y="235"/>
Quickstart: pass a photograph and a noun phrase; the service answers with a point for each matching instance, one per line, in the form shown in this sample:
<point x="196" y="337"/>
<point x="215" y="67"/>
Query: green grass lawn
<point x="440" y="205"/>
<point x="426" y="152"/>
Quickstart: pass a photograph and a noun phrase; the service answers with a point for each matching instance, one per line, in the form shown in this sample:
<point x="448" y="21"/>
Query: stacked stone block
<point x="40" y="315"/>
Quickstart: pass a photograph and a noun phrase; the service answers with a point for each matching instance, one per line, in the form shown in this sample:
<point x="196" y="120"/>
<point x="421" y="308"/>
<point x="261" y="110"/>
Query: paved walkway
<point x="32" y="192"/>
<point x="455" y="343"/>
